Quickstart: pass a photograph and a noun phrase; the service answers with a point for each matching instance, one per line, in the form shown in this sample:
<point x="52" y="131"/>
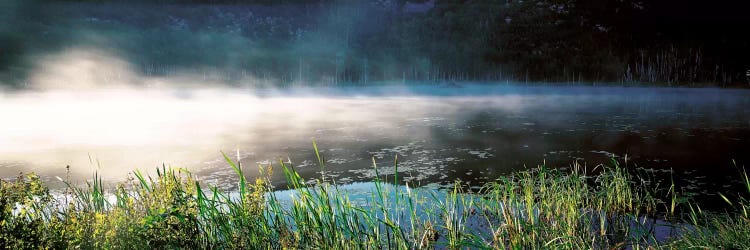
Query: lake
<point x="469" y="131"/>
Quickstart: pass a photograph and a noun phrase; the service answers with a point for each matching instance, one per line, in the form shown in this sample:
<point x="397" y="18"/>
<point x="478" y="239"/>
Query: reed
<point x="539" y="208"/>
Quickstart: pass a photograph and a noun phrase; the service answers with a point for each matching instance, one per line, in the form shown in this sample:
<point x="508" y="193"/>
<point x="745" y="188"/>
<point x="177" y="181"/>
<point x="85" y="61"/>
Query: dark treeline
<point x="194" y="1"/>
<point x="328" y="41"/>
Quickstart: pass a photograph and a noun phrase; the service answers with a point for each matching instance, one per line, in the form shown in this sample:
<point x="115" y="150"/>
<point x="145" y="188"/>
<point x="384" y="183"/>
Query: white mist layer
<point x="87" y="109"/>
<point x="117" y="130"/>
<point x="126" y="128"/>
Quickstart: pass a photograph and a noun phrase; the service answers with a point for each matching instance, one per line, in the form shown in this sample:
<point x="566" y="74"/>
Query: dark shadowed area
<point x="327" y="42"/>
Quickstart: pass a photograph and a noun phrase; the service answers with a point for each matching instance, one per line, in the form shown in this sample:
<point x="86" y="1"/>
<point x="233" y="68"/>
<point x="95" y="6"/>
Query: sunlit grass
<point x="534" y="209"/>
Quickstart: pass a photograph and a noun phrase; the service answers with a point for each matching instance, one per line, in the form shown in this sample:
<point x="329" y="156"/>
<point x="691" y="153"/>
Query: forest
<point x="675" y="43"/>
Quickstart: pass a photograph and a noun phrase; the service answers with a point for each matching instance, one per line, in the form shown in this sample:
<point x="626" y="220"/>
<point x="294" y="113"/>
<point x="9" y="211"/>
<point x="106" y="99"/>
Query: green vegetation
<point x="341" y="41"/>
<point x="534" y="209"/>
<point x="720" y="231"/>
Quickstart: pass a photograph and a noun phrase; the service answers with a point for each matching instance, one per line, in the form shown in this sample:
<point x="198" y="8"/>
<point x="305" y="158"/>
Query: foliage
<point x="21" y="223"/>
<point x="713" y="230"/>
<point x="333" y="42"/>
<point x="535" y="209"/>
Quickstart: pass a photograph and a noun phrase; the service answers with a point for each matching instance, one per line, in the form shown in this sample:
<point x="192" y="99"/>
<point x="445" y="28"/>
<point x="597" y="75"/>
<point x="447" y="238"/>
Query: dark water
<point x="471" y="132"/>
<point x="476" y="134"/>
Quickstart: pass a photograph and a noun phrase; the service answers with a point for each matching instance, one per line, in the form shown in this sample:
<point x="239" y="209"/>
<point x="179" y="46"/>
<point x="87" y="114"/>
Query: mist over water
<point x="469" y="131"/>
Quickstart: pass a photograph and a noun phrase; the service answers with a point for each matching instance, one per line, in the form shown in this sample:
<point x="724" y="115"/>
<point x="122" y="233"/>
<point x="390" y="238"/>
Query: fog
<point x="280" y="43"/>
<point x="89" y="109"/>
<point x="74" y="107"/>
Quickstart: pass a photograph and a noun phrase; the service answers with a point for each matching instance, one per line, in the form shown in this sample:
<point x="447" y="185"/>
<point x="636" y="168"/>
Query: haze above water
<point x="476" y="132"/>
<point x="88" y="111"/>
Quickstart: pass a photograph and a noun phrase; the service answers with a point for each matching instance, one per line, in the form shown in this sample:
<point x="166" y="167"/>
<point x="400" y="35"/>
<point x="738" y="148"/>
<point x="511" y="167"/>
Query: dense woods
<point x="332" y="42"/>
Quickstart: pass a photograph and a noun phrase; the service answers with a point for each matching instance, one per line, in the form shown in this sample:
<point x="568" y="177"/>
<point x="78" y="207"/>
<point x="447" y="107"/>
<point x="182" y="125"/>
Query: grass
<point x="540" y="208"/>
<point x="727" y="230"/>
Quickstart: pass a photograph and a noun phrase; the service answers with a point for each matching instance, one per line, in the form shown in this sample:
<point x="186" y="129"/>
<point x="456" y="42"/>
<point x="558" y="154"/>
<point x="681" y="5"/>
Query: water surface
<point x="472" y="132"/>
